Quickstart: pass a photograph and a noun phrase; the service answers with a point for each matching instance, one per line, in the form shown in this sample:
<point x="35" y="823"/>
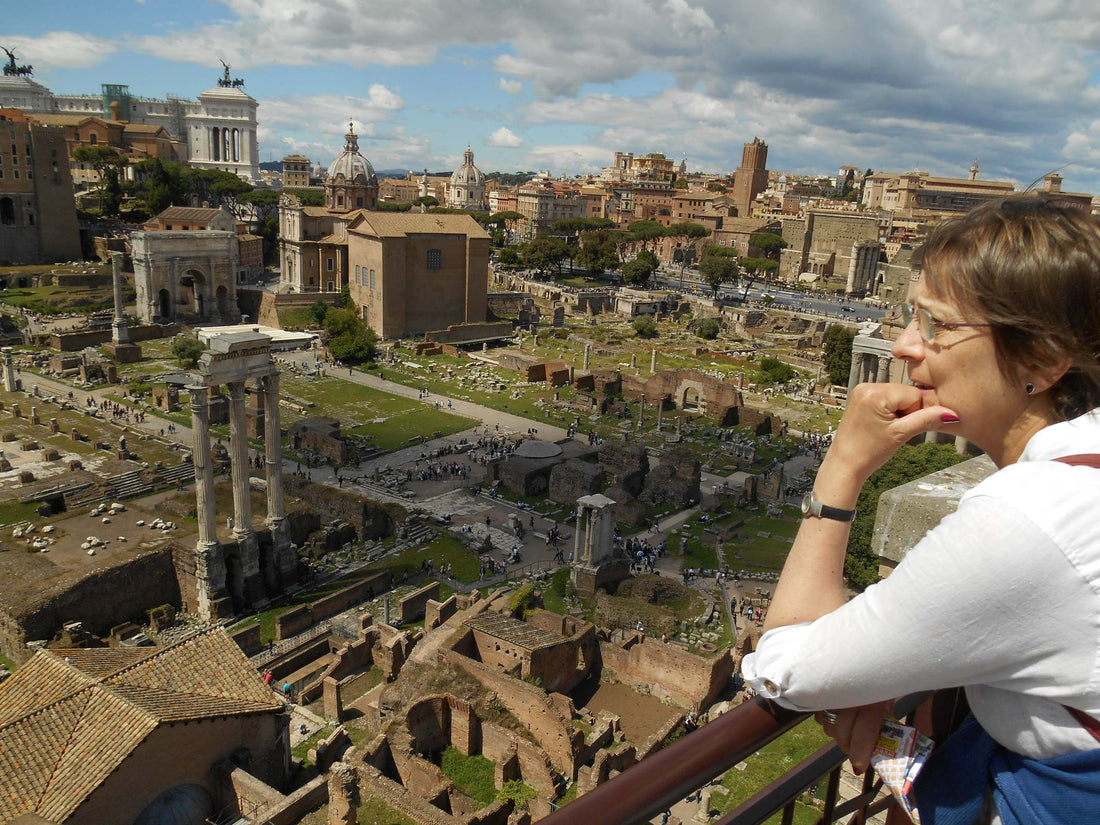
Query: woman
<point x="1003" y="596"/>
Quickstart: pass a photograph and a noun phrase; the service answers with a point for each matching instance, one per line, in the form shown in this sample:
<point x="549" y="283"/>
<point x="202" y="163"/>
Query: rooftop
<point x="514" y="631"/>
<point x="70" y="717"/>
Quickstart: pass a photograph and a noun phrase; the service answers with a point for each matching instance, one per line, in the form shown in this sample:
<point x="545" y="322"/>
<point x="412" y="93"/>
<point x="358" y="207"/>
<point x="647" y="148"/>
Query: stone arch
<point x="691" y="398"/>
<point x="7" y="211"/>
<point x="192" y="296"/>
<point x="164" y="304"/>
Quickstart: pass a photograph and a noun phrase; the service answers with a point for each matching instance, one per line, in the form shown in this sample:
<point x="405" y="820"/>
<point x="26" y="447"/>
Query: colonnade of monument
<point x="255" y="582"/>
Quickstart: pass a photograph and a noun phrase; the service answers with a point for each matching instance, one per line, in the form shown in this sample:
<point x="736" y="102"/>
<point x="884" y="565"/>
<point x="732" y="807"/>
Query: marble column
<point x="120" y="332"/>
<point x="245" y="536"/>
<point x="589" y="530"/>
<point x="587" y="356"/>
<point x="9" y="371"/>
<point x="855" y="370"/>
<point x="285" y="558"/>
<point x="653" y="362"/>
<point x="577" y="546"/>
<point x="883" y="375"/>
<point x="660" y="410"/>
<point x="209" y="562"/>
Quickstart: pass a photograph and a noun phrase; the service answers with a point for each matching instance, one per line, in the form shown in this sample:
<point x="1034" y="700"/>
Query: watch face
<point x="807" y="504"/>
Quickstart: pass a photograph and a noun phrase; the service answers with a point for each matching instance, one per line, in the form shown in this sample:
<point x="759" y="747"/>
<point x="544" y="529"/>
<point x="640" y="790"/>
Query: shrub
<point x="708" y="328"/>
<point x="645" y="326"/>
<point x="187" y="350"/>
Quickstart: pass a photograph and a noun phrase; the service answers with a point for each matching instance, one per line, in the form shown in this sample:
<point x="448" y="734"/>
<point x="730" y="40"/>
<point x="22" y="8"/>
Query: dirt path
<point x="641" y="715"/>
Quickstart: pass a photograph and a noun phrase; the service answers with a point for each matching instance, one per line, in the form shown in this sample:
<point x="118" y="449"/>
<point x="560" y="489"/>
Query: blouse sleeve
<point x="984" y="598"/>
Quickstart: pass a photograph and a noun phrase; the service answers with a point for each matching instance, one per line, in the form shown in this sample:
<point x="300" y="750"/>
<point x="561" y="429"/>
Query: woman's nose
<point x="909" y="345"/>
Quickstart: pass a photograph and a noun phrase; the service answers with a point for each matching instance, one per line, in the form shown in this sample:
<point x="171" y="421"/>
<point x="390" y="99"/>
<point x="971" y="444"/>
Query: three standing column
<point x="209" y="564"/>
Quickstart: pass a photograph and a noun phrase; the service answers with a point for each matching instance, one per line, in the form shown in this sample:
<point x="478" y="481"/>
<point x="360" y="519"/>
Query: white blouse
<point x="1003" y="597"/>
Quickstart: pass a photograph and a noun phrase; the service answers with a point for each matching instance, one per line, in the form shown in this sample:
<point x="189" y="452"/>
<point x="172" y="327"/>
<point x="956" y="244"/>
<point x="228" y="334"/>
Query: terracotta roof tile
<point x="66" y="725"/>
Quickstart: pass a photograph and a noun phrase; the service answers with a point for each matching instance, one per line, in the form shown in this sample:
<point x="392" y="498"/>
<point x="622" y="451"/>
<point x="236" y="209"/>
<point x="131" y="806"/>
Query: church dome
<point x="467" y="174"/>
<point x="352" y="165"/>
<point x="181" y="805"/>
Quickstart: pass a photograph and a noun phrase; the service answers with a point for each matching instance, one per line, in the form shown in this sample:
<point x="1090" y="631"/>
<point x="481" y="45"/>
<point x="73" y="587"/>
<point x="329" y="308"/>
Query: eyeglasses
<point x="927" y="325"/>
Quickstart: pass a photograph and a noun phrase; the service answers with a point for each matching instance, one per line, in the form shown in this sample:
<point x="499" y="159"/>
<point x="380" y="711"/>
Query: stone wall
<point x="248" y="639"/>
<point x="300" y="618"/>
<point x="100" y="600"/>
<point x="574" y="478"/>
<point x="436" y="613"/>
<point x="371" y="519"/>
<point x="668" y="672"/>
<point x="76" y="341"/>
<point x="293" y="808"/>
<point x="529" y="704"/>
<point x="470" y="333"/>
<point x="626" y="465"/>
<point x="412" y="607"/>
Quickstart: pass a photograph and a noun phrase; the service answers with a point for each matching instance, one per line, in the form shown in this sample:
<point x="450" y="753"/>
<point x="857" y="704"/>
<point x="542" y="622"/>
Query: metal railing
<point x="668" y="776"/>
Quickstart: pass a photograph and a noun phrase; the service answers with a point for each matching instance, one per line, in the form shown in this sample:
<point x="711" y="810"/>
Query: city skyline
<point x="879" y="85"/>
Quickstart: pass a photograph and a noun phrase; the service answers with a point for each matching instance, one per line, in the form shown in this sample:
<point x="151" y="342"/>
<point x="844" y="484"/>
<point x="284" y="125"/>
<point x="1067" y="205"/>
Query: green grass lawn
<point x="54" y="299"/>
<point x="390" y="421"/>
<point x="767" y="765"/>
<point x="374" y="811"/>
<point x="473" y="775"/>
<point x="6" y="662"/>
<point x="445" y="549"/>
<point x="553" y="597"/>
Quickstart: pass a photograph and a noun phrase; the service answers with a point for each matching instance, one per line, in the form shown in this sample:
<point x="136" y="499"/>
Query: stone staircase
<point x="130" y="484"/>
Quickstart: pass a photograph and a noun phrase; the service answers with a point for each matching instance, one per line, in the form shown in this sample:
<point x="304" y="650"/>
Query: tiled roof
<point x="195" y="214"/>
<point x="400" y="224"/>
<point x="68" y="718"/>
<point x="514" y="631"/>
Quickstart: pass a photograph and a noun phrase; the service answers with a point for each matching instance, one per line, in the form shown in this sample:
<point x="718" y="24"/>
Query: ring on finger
<point x="828" y="717"/>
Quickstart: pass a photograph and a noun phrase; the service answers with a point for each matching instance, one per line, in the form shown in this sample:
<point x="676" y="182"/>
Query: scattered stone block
<point x="51" y="454"/>
<point x="54" y="426"/>
<point x="27" y="446"/>
<point x="8" y="436"/>
<point x="75" y="464"/>
<point x="26" y="477"/>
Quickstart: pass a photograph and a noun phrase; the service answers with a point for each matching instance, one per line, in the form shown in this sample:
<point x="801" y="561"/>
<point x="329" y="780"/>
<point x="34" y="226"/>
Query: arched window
<point x="215" y="144"/>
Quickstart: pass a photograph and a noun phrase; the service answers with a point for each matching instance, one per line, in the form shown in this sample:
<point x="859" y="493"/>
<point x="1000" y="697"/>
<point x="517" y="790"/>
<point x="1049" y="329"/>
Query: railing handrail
<point x="659" y="781"/>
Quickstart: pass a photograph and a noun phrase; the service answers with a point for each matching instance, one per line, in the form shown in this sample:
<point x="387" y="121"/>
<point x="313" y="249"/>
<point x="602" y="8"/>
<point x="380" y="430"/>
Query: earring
<point x="1029" y="389"/>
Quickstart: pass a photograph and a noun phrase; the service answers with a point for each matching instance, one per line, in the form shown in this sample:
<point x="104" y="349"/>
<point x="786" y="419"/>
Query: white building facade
<point x="219" y="128"/>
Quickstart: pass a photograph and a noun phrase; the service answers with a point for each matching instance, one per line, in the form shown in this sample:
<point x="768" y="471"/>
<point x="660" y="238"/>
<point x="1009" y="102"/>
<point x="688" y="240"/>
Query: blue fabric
<point x="951" y="788"/>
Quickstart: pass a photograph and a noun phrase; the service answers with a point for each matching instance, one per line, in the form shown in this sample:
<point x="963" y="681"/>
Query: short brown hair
<point x="1031" y="269"/>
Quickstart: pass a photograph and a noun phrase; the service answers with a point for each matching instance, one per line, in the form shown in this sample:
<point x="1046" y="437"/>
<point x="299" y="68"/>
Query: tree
<point x="509" y="258"/>
<point x="686" y="232"/>
<point x="187" y="350"/>
<point x="718" y="270"/>
<point x="769" y="243"/>
<point x="545" y="253"/>
<point x="264" y="204"/>
<point x="309" y="197"/>
<point x="774" y="371"/>
<point x="348" y="338"/>
<point x="645" y="326"/>
<point x="599" y="251"/>
<point x="317" y="311"/>
<point x="838" y="352"/>
<point x="106" y="161"/>
<point x="908" y="464"/>
<point x="427" y="200"/>
<point x="637" y="272"/>
<point x="708" y="328"/>
<point x="645" y="231"/>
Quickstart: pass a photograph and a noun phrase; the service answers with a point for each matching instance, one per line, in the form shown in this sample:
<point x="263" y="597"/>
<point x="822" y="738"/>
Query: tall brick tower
<point x="751" y="177"/>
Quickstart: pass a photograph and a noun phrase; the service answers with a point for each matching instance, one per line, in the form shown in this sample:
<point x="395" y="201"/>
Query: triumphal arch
<point x="248" y="569"/>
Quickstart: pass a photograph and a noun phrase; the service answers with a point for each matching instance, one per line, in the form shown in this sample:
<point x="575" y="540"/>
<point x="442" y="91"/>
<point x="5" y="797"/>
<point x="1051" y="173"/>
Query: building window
<point x="435" y="259"/>
<point x="328" y="264"/>
<point x="372" y="279"/>
<point x="93" y="138"/>
<point x="358" y="280"/>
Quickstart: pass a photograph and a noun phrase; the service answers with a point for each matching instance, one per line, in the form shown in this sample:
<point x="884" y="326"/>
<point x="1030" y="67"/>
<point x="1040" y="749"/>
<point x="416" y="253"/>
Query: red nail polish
<point x="857" y="771"/>
<point x="950" y="418"/>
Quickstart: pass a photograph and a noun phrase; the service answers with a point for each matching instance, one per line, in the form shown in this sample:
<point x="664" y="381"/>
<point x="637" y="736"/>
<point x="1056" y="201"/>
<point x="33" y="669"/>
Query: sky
<point x="892" y="85"/>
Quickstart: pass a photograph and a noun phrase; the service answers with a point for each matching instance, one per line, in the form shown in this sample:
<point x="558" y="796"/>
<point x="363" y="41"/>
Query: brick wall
<point x="412" y="607"/>
<point x="669" y="673"/>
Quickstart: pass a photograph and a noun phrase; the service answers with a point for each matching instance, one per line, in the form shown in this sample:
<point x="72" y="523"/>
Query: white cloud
<point x="61" y="49"/>
<point x="504" y="137"/>
<point x="512" y="87"/>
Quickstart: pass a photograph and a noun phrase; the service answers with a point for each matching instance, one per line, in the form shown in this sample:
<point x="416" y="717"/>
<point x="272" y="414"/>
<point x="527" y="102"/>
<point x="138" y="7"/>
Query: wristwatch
<point x="812" y="507"/>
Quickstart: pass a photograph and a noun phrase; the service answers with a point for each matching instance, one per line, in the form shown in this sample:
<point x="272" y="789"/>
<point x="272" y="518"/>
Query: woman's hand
<point x="856" y="730"/>
<point x="878" y="420"/>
